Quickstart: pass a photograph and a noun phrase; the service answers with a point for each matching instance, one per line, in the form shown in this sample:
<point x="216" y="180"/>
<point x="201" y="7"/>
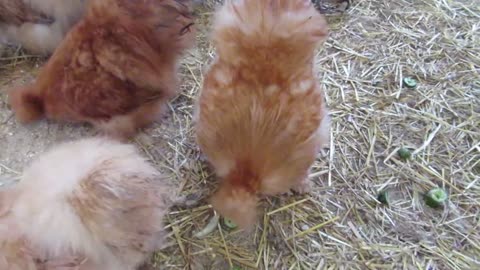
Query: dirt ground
<point x="339" y="225"/>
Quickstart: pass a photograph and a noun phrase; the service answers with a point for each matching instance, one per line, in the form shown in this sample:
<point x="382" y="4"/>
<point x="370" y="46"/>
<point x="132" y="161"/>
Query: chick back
<point x="260" y="98"/>
<point x="261" y="110"/>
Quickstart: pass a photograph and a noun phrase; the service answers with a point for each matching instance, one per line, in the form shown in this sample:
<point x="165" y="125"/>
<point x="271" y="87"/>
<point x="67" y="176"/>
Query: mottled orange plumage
<point x="261" y="117"/>
<point x="115" y="69"/>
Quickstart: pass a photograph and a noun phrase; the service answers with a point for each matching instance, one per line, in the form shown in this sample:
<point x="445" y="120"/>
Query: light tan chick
<point x="91" y="204"/>
<point x="38" y="25"/>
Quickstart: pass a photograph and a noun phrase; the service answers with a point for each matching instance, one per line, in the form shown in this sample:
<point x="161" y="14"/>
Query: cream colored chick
<point x="38" y="25"/>
<point x="93" y="204"/>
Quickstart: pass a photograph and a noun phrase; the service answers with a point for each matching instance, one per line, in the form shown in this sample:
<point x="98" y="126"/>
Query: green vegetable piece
<point x="409" y="82"/>
<point x="383" y="197"/>
<point x="229" y="223"/>
<point x="436" y="197"/>
<point x="404" y="153"/>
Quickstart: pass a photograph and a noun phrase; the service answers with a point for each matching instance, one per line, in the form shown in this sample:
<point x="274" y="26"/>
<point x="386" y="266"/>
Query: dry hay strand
<point x="340" y="225"/>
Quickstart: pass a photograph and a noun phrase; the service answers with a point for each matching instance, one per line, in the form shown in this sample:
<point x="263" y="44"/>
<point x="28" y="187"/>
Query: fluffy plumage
<point x="38" y="25"/>
<point x="261" y="117"/>
<point x="87" y="205"/>
<point x="115" y="69"/>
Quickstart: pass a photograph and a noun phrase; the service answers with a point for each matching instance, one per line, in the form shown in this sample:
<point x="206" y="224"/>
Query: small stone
<point x="412" y="104"/>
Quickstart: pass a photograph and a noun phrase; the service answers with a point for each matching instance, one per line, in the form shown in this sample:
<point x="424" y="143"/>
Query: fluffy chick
<point x="115" y="69"/>
<point x="91" y="204"/>
<point x="38" y="25"/>
<point x="261" y="117"/>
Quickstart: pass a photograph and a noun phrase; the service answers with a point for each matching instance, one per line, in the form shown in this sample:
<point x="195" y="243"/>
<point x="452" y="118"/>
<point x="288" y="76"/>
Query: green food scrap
<point x="383" y="197"/>
<point x="436" y="197"/>
<point x="404" y="153"/>
<point x="409" y="82"/>
<point x="229" y="223"/>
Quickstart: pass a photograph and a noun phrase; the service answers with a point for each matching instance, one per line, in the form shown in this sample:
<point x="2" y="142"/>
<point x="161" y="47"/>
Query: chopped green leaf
<point x="383" y="197"/>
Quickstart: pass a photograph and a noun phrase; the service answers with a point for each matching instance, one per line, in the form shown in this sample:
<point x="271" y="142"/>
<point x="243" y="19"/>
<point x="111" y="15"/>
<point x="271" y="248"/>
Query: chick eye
<point x="186" y="29"/>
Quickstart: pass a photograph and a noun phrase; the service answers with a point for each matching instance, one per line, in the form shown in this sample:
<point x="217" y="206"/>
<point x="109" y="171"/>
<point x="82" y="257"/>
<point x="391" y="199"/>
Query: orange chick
<point x="86" y="205"/>
<point x="115" y="69"/>
<point x="38" y="25"/>
<point x="261" y="117"/>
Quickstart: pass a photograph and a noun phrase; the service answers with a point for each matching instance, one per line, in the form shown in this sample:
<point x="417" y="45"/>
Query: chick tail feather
<point x="27" y="105"/>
